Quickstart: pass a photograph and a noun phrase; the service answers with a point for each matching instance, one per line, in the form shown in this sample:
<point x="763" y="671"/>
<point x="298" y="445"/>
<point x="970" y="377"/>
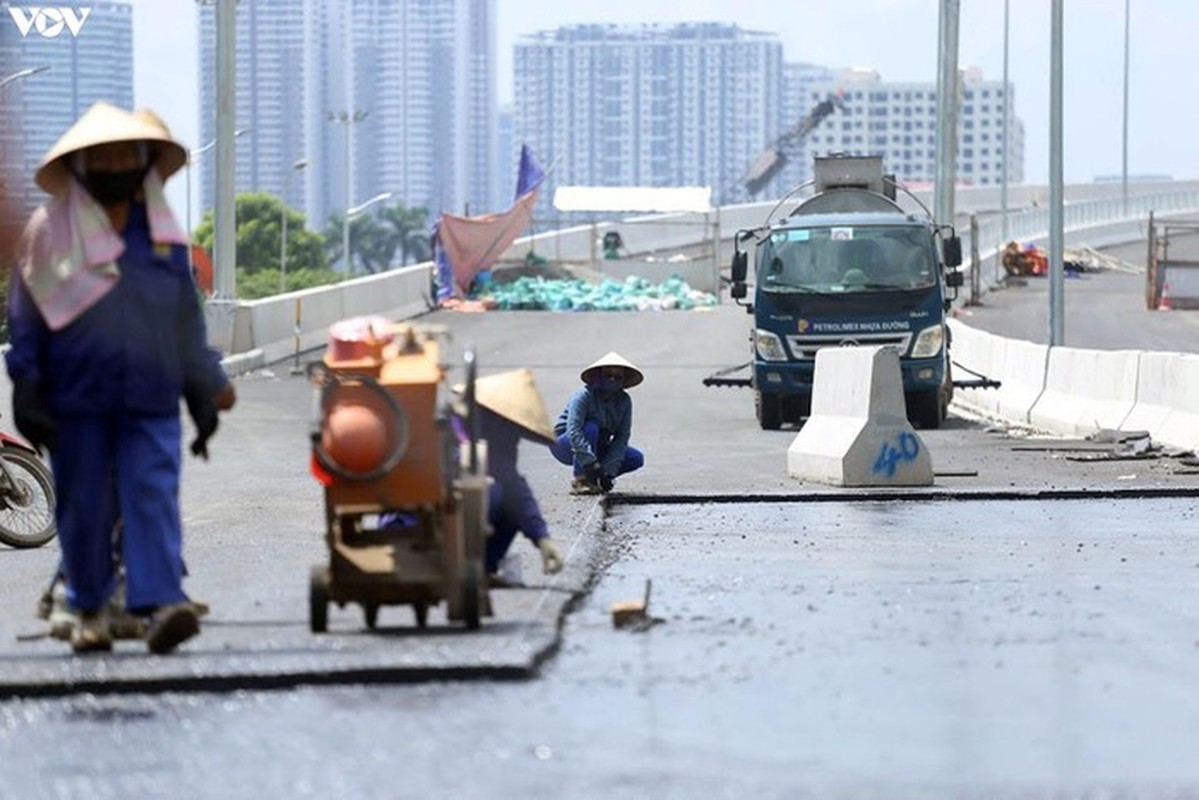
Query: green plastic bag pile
<point x="528" y="293"/>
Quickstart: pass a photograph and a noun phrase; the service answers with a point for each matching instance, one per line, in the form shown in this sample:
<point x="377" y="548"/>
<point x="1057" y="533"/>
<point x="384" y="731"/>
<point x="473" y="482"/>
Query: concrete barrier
<point x="1086" y="390"/>
<point x="858" y="433"/>
<point x="1180" y="428"/>
<point x="1017" y="364"/>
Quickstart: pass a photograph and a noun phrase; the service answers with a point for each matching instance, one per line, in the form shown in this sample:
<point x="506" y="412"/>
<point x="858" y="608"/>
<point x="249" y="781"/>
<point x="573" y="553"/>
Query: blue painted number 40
<point x="905" y="448"/>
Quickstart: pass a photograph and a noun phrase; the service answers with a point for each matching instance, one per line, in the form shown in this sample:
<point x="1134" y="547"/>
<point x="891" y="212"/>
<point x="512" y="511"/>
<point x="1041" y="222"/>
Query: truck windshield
<point x="846" y="259"/>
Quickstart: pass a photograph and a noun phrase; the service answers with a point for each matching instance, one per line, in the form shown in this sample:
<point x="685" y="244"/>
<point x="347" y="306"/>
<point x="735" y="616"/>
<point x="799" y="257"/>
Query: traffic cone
<point x="1164" y="303"/>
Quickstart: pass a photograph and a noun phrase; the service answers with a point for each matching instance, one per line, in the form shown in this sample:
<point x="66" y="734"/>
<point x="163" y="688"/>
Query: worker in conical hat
<point x="107" y="336"/>
<point x="592" y="432"/>
<point x="511" y="409"/>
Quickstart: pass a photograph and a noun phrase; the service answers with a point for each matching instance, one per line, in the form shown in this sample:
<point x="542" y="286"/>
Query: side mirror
<point x="951" y="250"/>
<point x="954" y="279"/>
<point x="739" y="268"/>
<point x="737" y="291"/>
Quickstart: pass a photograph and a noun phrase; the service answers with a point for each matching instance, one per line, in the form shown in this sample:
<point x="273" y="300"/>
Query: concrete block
<point x="1086" y="390"/>
<point x="858" y="433"/>
<point x="1022" y="374"/>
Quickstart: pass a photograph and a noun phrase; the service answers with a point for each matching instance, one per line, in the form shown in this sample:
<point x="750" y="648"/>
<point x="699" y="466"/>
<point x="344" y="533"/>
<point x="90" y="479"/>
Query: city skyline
<point x="899" y="42"/>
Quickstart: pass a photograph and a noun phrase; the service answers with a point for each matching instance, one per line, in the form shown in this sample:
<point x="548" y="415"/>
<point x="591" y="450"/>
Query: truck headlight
<point x="769" y="346"/>
<point x="928" y="342"/>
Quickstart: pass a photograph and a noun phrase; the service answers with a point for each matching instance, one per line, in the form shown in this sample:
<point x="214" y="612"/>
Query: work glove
<point x="606" y="483"/>
<point x="202" y="409"/>
<point x="551" y="556"/>
<point x="32" y="418"/>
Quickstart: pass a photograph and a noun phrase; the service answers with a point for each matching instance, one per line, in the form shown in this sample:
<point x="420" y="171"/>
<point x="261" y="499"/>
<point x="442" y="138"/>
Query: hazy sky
<point x="898" y="38"/>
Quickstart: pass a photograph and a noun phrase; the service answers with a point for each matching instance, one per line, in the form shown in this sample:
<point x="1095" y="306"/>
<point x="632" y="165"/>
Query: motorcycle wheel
<point x="27" y="506"/>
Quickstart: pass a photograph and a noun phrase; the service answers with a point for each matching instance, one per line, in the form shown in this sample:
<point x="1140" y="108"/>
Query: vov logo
<point x="49" y="22"/>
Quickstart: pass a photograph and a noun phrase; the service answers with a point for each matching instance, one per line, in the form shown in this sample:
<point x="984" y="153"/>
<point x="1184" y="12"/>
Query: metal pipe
<point x="225" y="260"/>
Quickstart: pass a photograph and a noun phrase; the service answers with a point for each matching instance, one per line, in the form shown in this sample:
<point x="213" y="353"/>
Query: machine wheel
<point x="370" y="612"/>
<point x="26" y="500"/>
<point x="927" y="411"/>
<point x="769" y="408"/>
<point x="470" y="598"/>
<point x="318" y="600"/>
<point x="421" y="612"/>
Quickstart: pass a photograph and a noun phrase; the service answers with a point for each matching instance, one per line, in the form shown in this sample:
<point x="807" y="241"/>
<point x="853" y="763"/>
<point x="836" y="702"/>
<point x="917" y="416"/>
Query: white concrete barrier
<point x="858" y="433"/>
<point x="1180" y="428"/>
<point x="1086" y="390"/>
<point x="976" y="354"/>
<point x="1155" y="393"/>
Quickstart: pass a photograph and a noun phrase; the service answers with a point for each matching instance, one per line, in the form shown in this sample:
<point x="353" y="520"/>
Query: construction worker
<point x="593" y="429"/>
<point x="107" y="337"/>
<point x="509" y="409"/>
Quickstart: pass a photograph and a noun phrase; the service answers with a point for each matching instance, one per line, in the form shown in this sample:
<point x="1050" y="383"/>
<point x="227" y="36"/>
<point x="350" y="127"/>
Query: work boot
<point x="508" y="574"/>
<point x="63" y="620"/>
<point x="171" y="626"/>
<point x="91" y="633"/>
<point x="582" y="486"/>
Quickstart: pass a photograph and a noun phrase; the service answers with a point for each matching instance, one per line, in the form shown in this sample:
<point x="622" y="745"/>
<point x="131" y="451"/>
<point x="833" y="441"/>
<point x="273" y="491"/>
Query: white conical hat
<point x="103" y="123"/>
<point x="514" y="396"/>
<point x="633" y="375"/>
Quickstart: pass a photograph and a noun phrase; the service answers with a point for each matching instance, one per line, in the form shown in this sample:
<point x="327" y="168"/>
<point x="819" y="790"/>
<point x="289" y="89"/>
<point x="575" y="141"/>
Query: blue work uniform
<point x="511" y="506"/>
<point x="595" y="426"/>
<point x="112" y="380"/>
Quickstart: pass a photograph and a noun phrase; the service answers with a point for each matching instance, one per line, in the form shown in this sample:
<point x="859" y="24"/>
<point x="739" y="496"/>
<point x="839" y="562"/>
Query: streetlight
<point x="191" y="156"/>
<point x="345" y="226"/>
<point x="25" y="73"/>
<point x="298" y="165"/>
<point x="347" y="118"/>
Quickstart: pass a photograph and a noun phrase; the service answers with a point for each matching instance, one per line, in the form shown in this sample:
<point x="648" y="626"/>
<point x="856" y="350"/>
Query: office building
<point x="371" y="97"/>
<point x="78" y="53"/>
<point x="898" y="120"/>
<point x="649" y="105"/>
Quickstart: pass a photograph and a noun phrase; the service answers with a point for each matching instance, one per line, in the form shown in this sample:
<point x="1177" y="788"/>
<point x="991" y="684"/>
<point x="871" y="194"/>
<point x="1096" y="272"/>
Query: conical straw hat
<point x="514" y="396"/>
<point x="102" y="123"/>
<point x="633" y="375"/>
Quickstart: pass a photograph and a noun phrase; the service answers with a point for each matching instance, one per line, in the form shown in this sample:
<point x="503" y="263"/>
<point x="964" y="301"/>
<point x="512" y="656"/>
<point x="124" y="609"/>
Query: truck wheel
<point x="769" y="408"/>
<point x="926" y="410"/>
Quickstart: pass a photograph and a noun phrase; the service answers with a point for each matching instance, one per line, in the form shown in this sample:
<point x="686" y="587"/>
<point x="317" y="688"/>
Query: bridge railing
<point x="273" y="328"/>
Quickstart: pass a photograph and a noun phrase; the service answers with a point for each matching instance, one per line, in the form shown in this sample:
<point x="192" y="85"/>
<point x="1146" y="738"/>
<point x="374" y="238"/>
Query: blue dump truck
<point x="847" y="266"/>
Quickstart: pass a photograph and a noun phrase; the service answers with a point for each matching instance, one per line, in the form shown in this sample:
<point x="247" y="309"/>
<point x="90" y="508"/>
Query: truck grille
<point x="804" y="348"/>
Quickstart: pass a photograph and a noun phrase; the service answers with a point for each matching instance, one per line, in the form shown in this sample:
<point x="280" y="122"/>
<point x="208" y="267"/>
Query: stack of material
<point x="632" y="294"/>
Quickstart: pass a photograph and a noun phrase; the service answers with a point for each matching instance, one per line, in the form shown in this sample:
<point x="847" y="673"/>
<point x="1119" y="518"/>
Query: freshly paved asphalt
<point x="253" y="515"/>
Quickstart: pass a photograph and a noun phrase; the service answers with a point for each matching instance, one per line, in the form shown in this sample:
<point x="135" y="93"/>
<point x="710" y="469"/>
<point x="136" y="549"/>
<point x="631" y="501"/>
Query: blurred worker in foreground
<point x="107" y="337"/>
<point x="593" y="429"/>
<point x="510" y="408"/>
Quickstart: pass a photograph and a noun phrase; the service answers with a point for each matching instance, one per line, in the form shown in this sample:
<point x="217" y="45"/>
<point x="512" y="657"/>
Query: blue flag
<point x="531" y="175"/>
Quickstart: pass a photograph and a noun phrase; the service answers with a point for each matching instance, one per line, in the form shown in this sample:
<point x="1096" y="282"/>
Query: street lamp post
<point x="298" y="165"/>
<point x="191" y="156"/>
<point x="24" y="73"/>
<point x="355" y="211"/>
<point x="347" y="118"/>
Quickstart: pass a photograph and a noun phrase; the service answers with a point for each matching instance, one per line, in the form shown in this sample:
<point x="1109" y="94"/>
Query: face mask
<point x="113" y="188"/>
<point x="609" y="385"/>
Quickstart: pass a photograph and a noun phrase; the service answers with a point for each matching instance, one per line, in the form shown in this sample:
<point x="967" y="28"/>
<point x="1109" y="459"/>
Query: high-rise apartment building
<point x="898" y="120"/>
<point x="649" y="105"/>
<point x="57" y="61"/>
<point x="375" y="96"/>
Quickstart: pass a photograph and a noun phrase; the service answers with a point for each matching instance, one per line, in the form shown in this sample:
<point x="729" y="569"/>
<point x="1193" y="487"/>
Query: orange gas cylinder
<point x="355" y="438"/>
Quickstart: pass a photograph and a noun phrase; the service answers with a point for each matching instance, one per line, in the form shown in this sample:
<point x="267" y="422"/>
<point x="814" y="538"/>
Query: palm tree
<point x="410" y="227"/>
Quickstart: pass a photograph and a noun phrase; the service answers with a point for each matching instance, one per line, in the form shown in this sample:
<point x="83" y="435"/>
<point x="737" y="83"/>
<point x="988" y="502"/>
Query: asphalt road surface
<point x="1027" y="627"/>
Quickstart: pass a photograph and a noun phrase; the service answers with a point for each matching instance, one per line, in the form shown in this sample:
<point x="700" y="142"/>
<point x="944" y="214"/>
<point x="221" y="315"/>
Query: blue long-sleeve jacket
<point x="511" y="498"/>
<point x="612" y="413"/>
<point x="132" y="350"/>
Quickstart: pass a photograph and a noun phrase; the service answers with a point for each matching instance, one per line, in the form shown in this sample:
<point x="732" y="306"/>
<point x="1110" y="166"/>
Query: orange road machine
<point x="405" y="504"/>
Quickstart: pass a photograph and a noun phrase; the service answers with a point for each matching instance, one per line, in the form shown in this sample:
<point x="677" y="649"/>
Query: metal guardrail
<point x="270" y="328"/>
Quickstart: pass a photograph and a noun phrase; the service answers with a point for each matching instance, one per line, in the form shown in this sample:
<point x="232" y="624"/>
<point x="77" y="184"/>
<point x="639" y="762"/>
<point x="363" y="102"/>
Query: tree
<point x="259" y="236"/>
<point x="411" y="228"/>
<point x="371" y="244"/>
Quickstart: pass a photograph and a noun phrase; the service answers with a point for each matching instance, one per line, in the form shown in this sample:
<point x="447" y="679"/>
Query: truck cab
<point x="849" y="267"/>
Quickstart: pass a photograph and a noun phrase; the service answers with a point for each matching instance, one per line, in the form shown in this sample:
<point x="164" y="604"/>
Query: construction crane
<point x="775" y="157"/>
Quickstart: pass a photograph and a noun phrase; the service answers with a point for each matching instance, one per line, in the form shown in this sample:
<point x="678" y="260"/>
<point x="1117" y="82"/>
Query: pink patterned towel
<point x="70" y="249"/>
